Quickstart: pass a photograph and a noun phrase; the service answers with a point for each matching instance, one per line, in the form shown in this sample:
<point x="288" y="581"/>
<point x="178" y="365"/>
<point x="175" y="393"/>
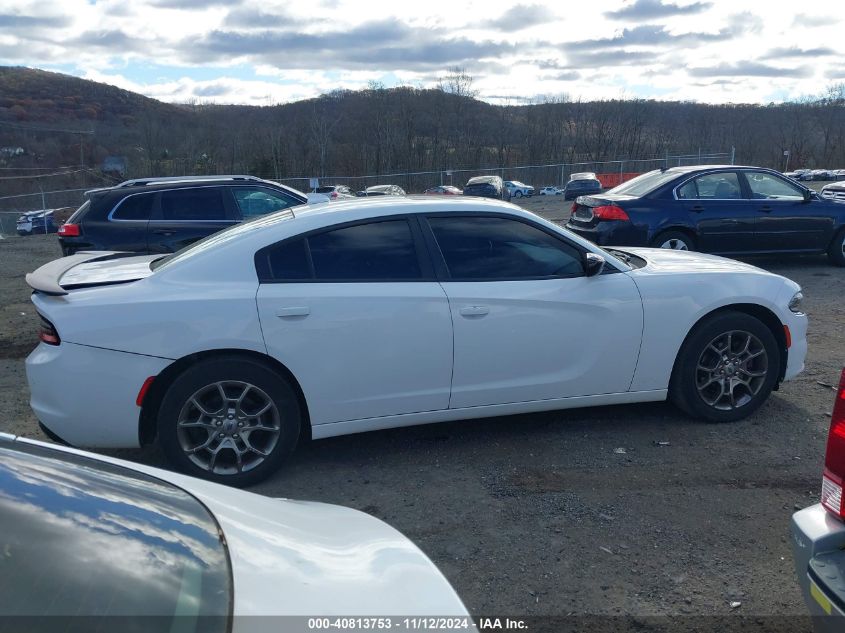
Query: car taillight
<point x="574" y="207"/>
<point x="47" y="333"/>
<point x="610" y="212"/>
<point x="834" y="459"/>
<point x="70" y="230"/>
<point x="334" y="194"/>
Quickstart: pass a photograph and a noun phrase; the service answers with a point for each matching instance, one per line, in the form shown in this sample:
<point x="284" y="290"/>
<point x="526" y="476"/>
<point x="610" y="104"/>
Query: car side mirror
<point x="593" y="264"/>
<point x="808" y="195"/>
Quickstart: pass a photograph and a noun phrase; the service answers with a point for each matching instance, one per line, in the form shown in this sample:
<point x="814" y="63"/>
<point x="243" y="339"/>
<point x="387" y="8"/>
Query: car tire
<point x="836" y="250"/>
<point x="516" y="194"/>
<point x="675" y="240"/>
<point x="707" y="386"/>
<point x="239" y="440"/>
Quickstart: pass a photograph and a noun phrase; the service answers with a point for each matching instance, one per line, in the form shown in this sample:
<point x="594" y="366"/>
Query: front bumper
<point x="818" y="550"/>
<point x="86" y="395"/>
<point x="797" y="353"/>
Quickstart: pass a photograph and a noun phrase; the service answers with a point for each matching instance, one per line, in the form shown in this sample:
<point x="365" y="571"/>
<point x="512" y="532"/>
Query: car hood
<point x="302" y="558"/>
<point x="664" y="260"/>
<point x="306" y="558"/>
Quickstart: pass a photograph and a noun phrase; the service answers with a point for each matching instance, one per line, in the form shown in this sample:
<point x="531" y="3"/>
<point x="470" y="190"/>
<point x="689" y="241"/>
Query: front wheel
<point x="726" y="368"/>
<point x="836" y="251"/>
<point x="232" y="420"/>
<point x="517" y="194"/>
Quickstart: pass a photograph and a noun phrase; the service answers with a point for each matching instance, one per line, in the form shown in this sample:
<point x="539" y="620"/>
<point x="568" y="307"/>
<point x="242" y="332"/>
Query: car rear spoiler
<point x="46" y="279"/>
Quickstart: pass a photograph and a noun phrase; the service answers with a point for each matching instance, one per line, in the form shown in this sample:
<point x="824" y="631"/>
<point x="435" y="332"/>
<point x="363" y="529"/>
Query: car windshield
<point x="221" y="237"/>
<point x="645" y="183"/>
<point x="80" y="537"/>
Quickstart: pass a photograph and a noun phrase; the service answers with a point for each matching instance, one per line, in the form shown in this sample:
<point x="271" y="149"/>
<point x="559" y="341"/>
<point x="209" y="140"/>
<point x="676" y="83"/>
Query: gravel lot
<point x="537" y="514"/>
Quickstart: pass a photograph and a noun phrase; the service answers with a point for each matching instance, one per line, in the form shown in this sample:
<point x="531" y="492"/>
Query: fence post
<point x="733" y="154"/>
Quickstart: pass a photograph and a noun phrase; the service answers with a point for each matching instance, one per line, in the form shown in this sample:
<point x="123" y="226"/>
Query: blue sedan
<point x="727" y="210"/>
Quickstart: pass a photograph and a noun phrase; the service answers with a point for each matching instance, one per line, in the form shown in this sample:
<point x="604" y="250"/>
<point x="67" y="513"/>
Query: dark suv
<point x="161" y="215"/>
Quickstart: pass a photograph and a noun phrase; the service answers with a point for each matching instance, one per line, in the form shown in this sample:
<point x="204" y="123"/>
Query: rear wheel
<point x="836" y="251"/>
<point x="229" y="419"/>
<point x="726" y="368"/>
<point x="675" y="240"/>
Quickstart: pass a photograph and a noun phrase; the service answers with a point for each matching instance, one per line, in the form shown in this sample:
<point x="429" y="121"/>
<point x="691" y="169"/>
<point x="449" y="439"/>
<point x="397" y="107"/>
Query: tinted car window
<point x="253" y="201"/>
<point x="134" y="208"/>
<point x="499" y="248"/>
<point x="287" y="261"/>
<point x="201" y="203"/>
<point x="80" y="537"/>
<point x="366" y="252"/>
<point x="764" y="185"/>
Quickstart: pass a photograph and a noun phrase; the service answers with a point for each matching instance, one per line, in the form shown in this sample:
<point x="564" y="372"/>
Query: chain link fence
<point x="611" y="173"/>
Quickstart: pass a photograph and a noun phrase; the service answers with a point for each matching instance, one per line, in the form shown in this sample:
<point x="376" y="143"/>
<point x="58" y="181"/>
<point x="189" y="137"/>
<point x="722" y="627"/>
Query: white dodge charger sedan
<point x="388" y="312"/>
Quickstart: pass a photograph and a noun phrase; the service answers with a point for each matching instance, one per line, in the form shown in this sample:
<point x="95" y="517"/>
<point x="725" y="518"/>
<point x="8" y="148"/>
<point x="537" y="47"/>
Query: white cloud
<point x="248" y="51"/>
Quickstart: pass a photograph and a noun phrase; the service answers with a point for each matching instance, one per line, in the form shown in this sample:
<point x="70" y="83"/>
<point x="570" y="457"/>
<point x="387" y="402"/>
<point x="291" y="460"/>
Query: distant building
<point x="114" y="165"/>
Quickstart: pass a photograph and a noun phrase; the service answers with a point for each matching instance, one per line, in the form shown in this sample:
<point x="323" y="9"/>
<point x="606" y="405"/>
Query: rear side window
<point x="718" y="186"/>
<point x="198" y="204"/>
<point x="479" y="248"/>
<point x="378" y="251"/>
<point x="255" y="201"/>
<point x="136" y="207"/>
<point x="80" y="537"/>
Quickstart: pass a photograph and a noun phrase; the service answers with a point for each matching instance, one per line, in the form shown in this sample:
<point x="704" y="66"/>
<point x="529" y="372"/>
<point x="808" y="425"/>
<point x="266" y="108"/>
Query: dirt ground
<point x="538" y="514"/>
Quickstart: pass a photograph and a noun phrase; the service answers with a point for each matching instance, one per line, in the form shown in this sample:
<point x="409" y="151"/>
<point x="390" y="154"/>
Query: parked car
<point x="580" y="184"/>
<point x="818" y="533"/>
<point x="382" y="190"/>
<point x="229" y="352"/>
<point x="36" y="223"/>
<point x="88" y="535"/>
<point x="551" y="191"/>
<point x="443" y="190"/>
<point x="335" y="192"/>
<point x="486" y="187"/>
<point x="162" y="215"/>
<point x="835" y="191"/>
<point x="822" y="174"/>
<point x="517" y="189"/>
<point x="727" y="210"/>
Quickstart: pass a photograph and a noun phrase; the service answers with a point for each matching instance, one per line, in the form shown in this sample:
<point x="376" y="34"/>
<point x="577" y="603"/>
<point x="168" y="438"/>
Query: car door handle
<point x="766" y="208"/>
<point x="696" y="208"/>
<point x="164" y="232"/>
<point x="293" y="311"/>
<point x="470" y="311"/>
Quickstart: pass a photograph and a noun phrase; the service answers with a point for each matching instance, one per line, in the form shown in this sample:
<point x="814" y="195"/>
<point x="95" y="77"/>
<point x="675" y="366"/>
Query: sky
<point x="264" y="52"/>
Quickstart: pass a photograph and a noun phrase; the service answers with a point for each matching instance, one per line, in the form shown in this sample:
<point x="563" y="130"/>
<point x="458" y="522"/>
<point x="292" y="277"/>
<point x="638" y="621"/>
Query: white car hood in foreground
<point x="304" y="558"/>
<point x="298" y="558"/>
<point x="663" y="260"/>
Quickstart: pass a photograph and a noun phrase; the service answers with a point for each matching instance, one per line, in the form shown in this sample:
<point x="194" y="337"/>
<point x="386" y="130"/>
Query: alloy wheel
<point x="228" y="427"/>
<point x="731" y="370"/>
